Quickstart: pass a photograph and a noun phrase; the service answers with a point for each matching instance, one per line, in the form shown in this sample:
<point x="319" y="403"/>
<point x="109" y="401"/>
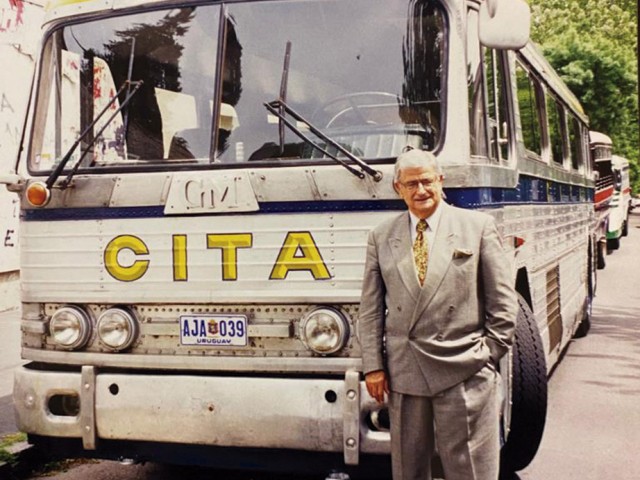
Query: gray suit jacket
<point x="432" y="337"/>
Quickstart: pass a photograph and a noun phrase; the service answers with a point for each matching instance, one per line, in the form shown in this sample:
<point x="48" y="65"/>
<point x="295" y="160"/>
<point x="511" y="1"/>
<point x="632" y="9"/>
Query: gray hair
<point x="415" y="158"/>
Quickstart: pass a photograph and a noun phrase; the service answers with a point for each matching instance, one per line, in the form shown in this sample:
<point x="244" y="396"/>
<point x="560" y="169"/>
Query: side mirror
<point x="13" y="182"/>
<point x="504" y="24"/>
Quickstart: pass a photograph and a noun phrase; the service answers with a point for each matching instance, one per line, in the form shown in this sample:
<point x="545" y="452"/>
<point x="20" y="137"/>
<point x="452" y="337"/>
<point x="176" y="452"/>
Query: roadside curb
<point x="27" y="458"/>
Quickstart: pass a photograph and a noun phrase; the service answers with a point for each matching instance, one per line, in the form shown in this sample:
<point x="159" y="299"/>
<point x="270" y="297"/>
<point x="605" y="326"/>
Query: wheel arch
<point x="523" y="287"/>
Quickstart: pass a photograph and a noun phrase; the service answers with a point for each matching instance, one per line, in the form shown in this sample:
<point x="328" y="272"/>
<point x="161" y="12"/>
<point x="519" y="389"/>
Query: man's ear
<point x="444" y="195"/>
<point x="395" y="187"/>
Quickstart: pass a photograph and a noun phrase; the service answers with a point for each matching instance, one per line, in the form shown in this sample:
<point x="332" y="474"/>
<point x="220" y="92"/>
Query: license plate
<point x="213" y="330"/>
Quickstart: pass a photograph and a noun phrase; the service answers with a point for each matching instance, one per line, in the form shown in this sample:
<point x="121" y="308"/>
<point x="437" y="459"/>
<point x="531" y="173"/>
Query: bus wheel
<point x="625" y="227"/>
<point x="528" y="394"/>
<point x="613" y="243"/>
<point x="585" y="323"/>
<point x="601" y="254"/>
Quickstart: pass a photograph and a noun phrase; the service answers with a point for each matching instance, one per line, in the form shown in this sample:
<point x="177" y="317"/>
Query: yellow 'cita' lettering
<point x="180" y="258"/>
<point x="299" y="252"/>
<point x="122" y="272"/>
<point x="229" y="243"/>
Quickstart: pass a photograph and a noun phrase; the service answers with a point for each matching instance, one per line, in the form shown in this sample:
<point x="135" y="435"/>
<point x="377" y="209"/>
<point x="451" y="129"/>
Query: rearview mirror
<point x="13" y="182"/>
<point x="504" y="24"/>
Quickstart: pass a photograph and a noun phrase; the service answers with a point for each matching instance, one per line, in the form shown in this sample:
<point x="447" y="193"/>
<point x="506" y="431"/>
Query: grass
<point x="6" y="442"/>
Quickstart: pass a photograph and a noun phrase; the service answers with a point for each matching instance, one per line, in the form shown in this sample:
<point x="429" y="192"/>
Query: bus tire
<point x="613" y="243"/>
<point x="601" y="254"/>
<point x="528" y="394"/>
<point x="585" y="323"/>
<point x="625" y="227"/>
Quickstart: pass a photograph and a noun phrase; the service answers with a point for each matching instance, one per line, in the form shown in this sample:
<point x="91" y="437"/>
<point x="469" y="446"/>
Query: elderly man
<point x="437" y="313"/>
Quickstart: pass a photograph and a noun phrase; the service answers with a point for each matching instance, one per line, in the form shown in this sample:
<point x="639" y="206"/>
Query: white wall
<point x="19" y="35"/>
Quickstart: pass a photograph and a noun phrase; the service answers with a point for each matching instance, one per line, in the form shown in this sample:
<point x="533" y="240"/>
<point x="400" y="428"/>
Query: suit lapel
<point x="439" y="261"/>
<point x="400" y="244"/>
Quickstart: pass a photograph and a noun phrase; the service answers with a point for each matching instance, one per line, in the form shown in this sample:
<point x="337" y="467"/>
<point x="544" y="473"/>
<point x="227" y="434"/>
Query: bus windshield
<point x="366" y="73"/>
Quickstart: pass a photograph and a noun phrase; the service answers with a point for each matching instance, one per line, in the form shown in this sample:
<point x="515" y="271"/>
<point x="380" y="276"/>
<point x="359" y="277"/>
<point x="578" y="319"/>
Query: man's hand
<point x="377" y="384"/>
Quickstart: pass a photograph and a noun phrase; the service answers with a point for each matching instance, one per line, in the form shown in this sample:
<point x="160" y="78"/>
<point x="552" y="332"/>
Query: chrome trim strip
<point x="351" y="417"/>
<point x="88" y="407"/>
<point x="282" y="330"/>
<point x="211" y="363"/>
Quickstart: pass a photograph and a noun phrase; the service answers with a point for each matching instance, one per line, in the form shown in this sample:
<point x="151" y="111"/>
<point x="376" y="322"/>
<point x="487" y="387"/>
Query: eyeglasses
<point x="426" y="183"/>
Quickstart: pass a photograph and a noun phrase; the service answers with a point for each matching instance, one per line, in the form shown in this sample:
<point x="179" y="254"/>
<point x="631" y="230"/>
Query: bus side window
<point x="488" y="125"/>
<point x="555" y="119"/>
<point x="476" y="90"/>
<point x="497" y="106"/>
<point x="529" y="93"/>
<point x="586" y="151"/>
<point x="576" y="143"/>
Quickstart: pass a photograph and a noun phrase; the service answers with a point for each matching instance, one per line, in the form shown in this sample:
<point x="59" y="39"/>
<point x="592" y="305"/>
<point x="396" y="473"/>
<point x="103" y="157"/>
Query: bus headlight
<point x="70" y="327"/>
<point x="324" y="330"/>
<point x="117" y="328"/>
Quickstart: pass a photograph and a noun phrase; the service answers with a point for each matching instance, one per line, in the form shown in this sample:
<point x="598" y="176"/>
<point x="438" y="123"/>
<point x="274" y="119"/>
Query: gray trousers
<point x="462" y="423"/>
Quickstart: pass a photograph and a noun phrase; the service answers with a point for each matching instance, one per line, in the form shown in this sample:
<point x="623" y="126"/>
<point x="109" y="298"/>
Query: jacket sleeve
<point x="372" y="311"/>
<point x="500" y="301"/>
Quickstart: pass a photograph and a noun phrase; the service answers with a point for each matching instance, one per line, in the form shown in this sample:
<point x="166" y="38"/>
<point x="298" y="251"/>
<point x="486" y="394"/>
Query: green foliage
<point x="592" y="45"/>
<point x="615" y="20"/>
<point x="6" y="442"/>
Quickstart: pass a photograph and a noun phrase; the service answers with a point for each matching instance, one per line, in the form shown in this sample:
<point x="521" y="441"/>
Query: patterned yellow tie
<point x="421" y="251"/>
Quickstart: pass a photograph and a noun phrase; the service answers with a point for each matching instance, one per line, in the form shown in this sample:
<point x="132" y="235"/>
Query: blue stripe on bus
<point x="530" y="191"/>
<point x="98" y="213"/>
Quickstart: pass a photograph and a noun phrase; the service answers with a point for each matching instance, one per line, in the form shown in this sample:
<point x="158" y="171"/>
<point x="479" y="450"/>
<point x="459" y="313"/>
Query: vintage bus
<point x="619" y="216"/>
<point x="197" y="183"/>
<point x="601" y="148"/>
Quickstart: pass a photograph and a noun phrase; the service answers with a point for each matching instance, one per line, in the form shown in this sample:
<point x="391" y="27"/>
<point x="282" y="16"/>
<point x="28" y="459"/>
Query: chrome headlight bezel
<point x="334" y="322"/>
<point x="117" y="328"/>
<point x="71" y="317"/>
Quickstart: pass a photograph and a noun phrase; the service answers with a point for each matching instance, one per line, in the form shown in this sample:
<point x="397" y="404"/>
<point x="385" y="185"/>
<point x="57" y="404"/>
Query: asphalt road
<point x="593" y="422"/>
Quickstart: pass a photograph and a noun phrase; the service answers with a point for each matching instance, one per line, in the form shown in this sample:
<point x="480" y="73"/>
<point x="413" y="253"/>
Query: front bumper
<point x="312" y="414"/>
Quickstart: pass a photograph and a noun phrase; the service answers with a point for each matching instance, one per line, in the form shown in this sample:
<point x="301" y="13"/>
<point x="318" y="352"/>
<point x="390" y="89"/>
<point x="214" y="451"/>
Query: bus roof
<point x="600" y="138"/>
<point x="619" y="162"/>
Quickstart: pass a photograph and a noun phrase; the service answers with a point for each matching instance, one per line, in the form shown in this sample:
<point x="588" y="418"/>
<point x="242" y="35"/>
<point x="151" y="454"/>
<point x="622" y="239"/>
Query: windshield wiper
<point x="279" y="108"/>
<point x="283" y="94"/>
<point x="67" y="156"/>
<point x="129" y="74"/>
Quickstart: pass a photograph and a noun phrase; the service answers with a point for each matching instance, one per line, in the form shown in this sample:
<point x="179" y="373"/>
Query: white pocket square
<point x="462" y="253"/>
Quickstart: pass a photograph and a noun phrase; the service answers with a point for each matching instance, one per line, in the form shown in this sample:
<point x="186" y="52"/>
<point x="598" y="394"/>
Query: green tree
<point x="592" y="45"/>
